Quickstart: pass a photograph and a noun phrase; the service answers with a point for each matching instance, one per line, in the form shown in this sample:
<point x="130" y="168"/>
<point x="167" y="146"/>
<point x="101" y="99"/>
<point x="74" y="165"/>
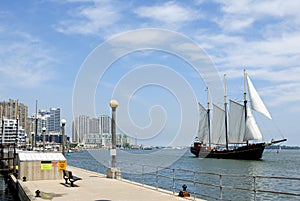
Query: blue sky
<point x="44" y="44"/>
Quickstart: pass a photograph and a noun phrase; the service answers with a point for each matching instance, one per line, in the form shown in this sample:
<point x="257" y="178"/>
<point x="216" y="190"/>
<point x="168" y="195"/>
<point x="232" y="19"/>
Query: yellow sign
<point x="62" y="165"/>
<point x="46" y="165"/>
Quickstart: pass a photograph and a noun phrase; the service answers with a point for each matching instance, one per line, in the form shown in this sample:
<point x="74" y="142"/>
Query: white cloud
<point x="284" y="93"/>
<point x="263" y="37"/>
<point x="168" y="13"/>
<point x="25" y="61"/>
<point x="242" y="14"/>
<point x="274" y="8"/>
<point x="274" y="53"/>
<point x="104" y="16"/>
<point x="232" y="24"/>
<point x="89" y="19"/>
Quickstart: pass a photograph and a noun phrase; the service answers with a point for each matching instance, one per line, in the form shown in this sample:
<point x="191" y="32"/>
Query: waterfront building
<point x="94" y="125"/>
<point x="53" y="126"/>
<point x="105" y="122"/>
<point x="54" y="120"/>
<point x="50" y="119"/>
<point x="80" y="128"/>
<point x="123" y="140"/>
<point x="95" y="132"/>
<point x="93" y="137"/>
<point x="22" y="138"/>
<point x="86" y="130"/>
<point x="11" y="108"/>
<point x="42" y="121"/>
<point x="105" y="130"/>
<point x="10" y="134"/>
<point x="75" y="137"/>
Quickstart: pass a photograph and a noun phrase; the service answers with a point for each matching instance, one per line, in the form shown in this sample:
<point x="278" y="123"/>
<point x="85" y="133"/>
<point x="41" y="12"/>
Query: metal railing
<point x="212" y="186"/>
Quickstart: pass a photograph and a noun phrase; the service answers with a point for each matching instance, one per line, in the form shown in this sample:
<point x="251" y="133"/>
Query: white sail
<point x="218" y="127"/>
<point x="256" y="102"/>
<point x="252" y="130"/>
<point x="203" y="125"/>
<point x="236" y="122"/>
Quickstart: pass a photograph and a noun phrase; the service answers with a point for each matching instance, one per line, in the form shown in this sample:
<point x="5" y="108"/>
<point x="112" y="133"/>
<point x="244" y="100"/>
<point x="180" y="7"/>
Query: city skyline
<point x="91" y="131"/>
<point x="49" y="119"/>
<point x="44" y="45"/>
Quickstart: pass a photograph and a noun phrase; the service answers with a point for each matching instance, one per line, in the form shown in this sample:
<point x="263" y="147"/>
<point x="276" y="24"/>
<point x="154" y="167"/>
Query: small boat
<point x="229" y="138"/>
<point x="147" y="148"/>
<point x="278" y="150"/>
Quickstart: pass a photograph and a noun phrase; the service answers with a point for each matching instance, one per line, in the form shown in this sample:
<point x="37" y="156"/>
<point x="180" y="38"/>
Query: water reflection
<point x="5" y="193"/>
<point x="286" y="164"/>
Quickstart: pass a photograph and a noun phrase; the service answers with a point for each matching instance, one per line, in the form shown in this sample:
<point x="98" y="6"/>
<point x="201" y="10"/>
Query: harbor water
<point x="5" y="193"/>
<point x="283" y="164"/>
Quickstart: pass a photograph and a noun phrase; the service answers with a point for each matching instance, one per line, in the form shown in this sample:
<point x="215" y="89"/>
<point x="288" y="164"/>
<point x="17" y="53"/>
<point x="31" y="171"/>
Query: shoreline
<point x="93" y="186"/>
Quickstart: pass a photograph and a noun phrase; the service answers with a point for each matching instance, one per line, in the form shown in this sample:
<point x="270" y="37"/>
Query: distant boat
<point x="147" y="148"/>
<point x="278" y="150"/>
<point x="230" y="140"/>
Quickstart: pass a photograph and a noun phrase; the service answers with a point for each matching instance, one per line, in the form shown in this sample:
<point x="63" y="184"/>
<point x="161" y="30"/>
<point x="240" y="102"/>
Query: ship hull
<point x="247" y="152"/>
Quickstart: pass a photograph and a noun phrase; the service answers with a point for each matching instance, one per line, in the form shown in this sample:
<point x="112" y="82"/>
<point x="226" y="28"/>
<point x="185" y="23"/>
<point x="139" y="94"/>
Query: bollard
<point x="183" y="193"/>
<point x="37" y="193"/>
<point x="24" y="179"/>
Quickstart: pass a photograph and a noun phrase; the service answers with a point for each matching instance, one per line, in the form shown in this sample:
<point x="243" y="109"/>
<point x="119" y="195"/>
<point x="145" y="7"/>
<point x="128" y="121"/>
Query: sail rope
<point x="268" y="127"/>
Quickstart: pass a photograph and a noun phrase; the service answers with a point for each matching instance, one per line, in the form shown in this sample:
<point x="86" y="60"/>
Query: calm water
<point x="286" y="164"/>
<point x="5" y="193"/>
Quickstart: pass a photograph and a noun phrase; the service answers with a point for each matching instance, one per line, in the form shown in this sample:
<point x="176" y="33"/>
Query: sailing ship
<point x="237" y="132"/>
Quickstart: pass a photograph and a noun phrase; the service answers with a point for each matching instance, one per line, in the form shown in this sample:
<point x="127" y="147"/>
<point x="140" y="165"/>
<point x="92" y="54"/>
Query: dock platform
<point x="95" y="187"/>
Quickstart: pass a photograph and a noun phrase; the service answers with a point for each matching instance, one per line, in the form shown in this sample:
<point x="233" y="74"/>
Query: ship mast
<point x="208" y="117"/>
<point x="225" y="107"/>
<point x="245" y="96"/>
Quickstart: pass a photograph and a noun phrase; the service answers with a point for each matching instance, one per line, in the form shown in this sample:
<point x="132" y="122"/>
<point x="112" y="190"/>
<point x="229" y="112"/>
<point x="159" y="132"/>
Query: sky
<point x="152" y="57"/>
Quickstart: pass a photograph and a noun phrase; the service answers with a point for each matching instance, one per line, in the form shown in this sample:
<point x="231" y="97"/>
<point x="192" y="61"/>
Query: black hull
<point x="247" y="152"/>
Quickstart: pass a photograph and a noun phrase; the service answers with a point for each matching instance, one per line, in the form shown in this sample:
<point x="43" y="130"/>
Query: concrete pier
<point x="93" y="186"/>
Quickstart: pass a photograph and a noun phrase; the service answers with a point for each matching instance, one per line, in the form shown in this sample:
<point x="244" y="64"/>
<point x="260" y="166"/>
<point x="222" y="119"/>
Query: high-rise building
<point x="43" y="119"/>
<point x="94" y="126"/>
<point x="95" y="132"/>
<point x="54" y="120"/>
<point x="10" y="134"/>
<point x="93" y="137"/>
<point x="90" y="130"/>
<point x="50" y="119"/>
<point x="105" y="122"/>
<point x="75" y="137"/>
<point x="13" y="109"/>
<point x="80" y="128"/>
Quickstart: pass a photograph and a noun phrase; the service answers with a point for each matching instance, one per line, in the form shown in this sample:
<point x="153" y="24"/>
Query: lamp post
<point x="32" y="140"/>
<point x="44" y="138"/>
<point x="113" y="104"/>
<point x="63" y="123"/>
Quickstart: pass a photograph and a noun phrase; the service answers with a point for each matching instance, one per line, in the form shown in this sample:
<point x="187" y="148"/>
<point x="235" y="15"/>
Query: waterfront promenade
<point x="95" y="187"/>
